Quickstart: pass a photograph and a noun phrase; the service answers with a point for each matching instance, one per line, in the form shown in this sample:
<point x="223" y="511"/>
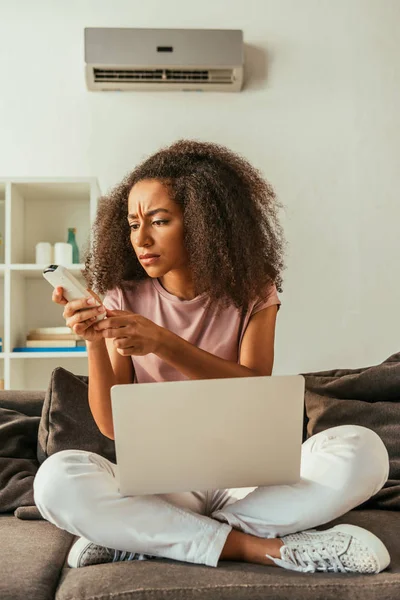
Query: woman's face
<point x="156" y="224"/>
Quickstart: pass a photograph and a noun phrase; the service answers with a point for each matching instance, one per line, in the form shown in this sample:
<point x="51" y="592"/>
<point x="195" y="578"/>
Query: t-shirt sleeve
<point x="270" y="299"/>
<point x="112" y="299"/>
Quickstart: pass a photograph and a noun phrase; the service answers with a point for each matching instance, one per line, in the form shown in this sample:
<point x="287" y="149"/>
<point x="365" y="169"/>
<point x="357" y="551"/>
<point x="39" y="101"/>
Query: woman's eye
<point x="134" y="226"/>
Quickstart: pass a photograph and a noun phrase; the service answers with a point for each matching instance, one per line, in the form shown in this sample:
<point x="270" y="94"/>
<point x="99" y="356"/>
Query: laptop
<point x="190" y="435"/>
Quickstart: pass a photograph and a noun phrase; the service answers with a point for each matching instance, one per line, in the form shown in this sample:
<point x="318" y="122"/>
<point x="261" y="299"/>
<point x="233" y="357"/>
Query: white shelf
<point x="34" y="210"/>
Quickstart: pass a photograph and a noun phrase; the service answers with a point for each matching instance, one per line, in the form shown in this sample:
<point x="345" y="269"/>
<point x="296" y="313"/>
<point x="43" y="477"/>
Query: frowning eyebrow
<point x="149" y="213"/>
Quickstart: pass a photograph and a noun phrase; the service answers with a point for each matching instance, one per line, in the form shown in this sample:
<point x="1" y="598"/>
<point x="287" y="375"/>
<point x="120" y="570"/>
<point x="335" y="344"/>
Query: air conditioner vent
<point x="186" y="75"/>
<point x="163" y="75"/>
<point x="127" y="74"/>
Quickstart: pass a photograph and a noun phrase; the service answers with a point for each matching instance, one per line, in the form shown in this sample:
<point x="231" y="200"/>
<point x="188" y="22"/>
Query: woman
<point x="189" y="251"/>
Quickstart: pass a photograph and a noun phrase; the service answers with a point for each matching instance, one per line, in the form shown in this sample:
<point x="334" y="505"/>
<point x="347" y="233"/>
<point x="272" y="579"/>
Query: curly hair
<point x="232" y="233"/>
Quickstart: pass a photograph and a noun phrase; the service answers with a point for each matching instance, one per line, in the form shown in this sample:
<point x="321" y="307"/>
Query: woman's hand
<point x="80" y="315"/>
<point x="132" y="333"/>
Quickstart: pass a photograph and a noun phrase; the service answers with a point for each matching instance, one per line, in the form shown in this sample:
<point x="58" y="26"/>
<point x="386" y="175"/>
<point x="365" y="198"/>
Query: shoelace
<point x="123" y="555"/>
<point x="323" y="559"/>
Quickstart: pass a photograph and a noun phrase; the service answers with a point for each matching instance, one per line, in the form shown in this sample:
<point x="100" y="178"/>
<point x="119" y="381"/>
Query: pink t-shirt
<point x="190" y="319"/>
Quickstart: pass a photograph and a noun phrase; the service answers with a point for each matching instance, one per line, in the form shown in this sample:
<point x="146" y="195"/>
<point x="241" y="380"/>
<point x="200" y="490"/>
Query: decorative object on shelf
<point x="50" y="338"/>
<point x="71" y="240"/>
<point x="53" y="333"/>
<point x="57" y="349"/>
<point x="44" y="253"/>
<point x="56" y="343"/>
<point x="62" y="253"/>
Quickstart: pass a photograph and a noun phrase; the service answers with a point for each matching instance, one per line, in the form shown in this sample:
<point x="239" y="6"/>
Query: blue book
<point x="76" y="349"/>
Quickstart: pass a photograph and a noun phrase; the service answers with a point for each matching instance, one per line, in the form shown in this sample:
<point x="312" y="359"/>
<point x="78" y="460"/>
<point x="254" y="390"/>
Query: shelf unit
<point x="32" y="211"/>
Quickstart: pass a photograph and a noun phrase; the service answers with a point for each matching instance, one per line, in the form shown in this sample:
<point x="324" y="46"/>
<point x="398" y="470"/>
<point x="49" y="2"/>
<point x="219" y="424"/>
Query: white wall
<point x="320" y="117"/>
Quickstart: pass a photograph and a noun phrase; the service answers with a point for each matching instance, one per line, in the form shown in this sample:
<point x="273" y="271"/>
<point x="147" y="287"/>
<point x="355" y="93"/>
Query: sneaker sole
<point x="370" y="540"/>
<point x="77" y="549"/>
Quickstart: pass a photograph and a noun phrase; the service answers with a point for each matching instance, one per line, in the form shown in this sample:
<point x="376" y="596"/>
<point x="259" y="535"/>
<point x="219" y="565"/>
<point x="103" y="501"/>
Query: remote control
<point x="59" y="276"/>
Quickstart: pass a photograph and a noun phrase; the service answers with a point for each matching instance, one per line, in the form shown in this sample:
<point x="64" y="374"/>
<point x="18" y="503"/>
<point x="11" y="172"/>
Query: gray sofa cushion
<point x="32" y="556"/>
<point x="369" y="397"/>
<point x="27" y="402"/>
<point x="16" y="482"/>
<point x="172" y="580"/>
<point x="19" y="422"/>
<point x="67" y="422"/>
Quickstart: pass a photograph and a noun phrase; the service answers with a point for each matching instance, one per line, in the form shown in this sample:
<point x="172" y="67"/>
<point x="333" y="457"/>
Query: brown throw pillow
<point x="67" y="422"/>
<point x="369" y="397"/>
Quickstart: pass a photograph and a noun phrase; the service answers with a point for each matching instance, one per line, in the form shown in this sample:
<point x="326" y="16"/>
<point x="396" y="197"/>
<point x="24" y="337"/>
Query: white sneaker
<point x="344" y="548"/>
<point x="84" y="553"/>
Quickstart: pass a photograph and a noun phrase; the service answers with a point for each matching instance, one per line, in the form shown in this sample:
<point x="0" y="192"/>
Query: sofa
<point x="35" y="424"/>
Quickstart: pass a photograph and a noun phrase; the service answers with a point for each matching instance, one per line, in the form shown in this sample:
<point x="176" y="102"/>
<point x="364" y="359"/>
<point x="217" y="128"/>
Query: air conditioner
<point x="164" y="59"/>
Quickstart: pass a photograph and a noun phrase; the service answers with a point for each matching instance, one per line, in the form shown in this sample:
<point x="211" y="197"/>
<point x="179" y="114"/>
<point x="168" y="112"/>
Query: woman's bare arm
<point x="106" y="368"/>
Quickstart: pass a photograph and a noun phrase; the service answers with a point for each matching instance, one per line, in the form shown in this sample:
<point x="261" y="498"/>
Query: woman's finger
<point x="80" y="327"/>
<point x="80" y="316"/>
<point x="57" y="296"/>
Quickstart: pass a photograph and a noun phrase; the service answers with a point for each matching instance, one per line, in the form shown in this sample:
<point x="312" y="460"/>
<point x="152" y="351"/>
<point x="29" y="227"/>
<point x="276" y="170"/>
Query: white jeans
<point x="340" y="469"/>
